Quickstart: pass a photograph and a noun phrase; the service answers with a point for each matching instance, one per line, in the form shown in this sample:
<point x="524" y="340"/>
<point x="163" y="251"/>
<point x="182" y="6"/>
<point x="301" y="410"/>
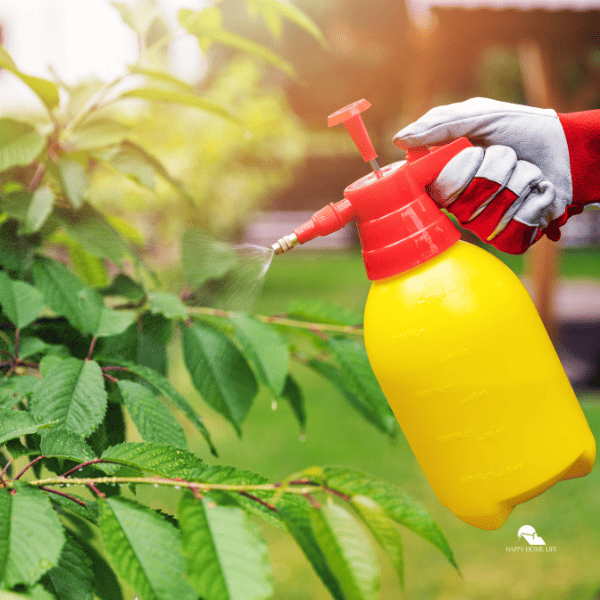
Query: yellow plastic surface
<point x="467" y="366"/>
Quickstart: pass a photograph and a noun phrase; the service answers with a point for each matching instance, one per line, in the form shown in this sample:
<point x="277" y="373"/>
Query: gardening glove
<point x="531" y="169"/>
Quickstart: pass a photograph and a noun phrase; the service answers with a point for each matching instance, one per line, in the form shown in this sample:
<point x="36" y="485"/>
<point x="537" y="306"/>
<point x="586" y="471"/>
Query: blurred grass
<point x="567" y="516"/>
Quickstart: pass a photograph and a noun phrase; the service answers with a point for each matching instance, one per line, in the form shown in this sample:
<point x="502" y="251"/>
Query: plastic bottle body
<point x="475" y="383"/>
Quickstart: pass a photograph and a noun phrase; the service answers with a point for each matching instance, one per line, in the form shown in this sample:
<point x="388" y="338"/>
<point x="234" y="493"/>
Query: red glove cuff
<point x="582" y="131"/>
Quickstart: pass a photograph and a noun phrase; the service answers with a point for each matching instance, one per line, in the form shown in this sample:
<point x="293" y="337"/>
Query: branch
<point x="26" y="467"/>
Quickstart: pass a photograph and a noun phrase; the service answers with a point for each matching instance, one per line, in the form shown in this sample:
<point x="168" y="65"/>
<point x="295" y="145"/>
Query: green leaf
<point x="36" y="536"/>
<point x="348" y="551"/>
<point x="5" y="509"/>
<point x="20" y="143"/>
<point x="16" y="251"/>
<point x="384" y="531"/>
<point x="21" y="302"/>
<point x="63" y="444"/>
<point x="124" y="286"/>
<point x="167" y="304"/>
<point x="293" y="394"/>
<point x="162" y="385"/>
<point x="14" y="423"/>
<point x="195" y="23"/>
<point x="271" y="17"/>
<point x="106" y="584"/>
<point x="135" y="168"/>
<point x="291" y="13"/>
<point x="295" y="514"/>
<point x="46" y="91"/>
<point x="88" y="512"/>
<point x="89" y="227"/>
<point x="226" y="556"/>
<point x="161" y="459"/>
<point x="98" y="134"/>
<point x="266" y="348"/>
<point x="48" y="363"/>
<point x="73" y="578"/>
<point x="13" y="389"/>
<point x="384" y="422"/>
<point x="74" y="180"/>
<point x="396" y="504"/>
<point x="161" y="76"/>
<point x="203" y="258"/>
<point x="72" y="392"/>
<point x="142" y="154"/>
<point x="40" y="207"/>
<point x="321" y="311"/>
<point x="184" y="98"/>
<point x="219" y="372"/>
<point x="101" y="320"/>
<point x="87" y="266"/>
<point x="358" y="377"/>
<point x="153" y="335"/>
<point x="144" y="550"/>
<point x="152" y="418"/>
<point x="61" y="290"/>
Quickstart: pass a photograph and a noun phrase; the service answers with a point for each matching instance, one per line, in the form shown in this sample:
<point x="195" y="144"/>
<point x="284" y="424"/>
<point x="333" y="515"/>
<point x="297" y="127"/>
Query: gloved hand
<point x="534" y="169"/>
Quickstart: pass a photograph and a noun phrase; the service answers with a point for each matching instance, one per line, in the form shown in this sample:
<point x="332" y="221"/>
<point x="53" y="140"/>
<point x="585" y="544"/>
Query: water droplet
<point x="68" y="485"/>
<point x="301" y="438"/>
<point x="177" y="487"/>
<point x="45" y="563"/>
<point x="156" y="485"/>
<point x="80" y="469"/>
<point x="274" y="404"/>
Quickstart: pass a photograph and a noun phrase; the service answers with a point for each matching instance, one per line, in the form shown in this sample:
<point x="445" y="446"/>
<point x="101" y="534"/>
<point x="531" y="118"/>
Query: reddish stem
<point x="96" y="490"/>
<point x="59" y="493"/>
<point x="115" y="368"/>
<point x="5" y="353"/>
<point x="17" y="339"/>
<point x="37" y="177"/>
<point x="91" y="350"/>
<point x="259" y="500"/>
<point x="313" y="502"/>
<point x="26" y="467"/>
<point x="93" y="461"/>
<point x="336" y="493"/>
<point x="110" y="378"/>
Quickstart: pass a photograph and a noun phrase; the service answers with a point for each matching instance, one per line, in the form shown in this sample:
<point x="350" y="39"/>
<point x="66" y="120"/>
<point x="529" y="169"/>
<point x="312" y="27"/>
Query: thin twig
<point x="26" y="467"/>
<point x="313" y="502"/>
<point x="84" y="464"/>
<point x="96" y="490"/>
<point x="110" y="378"/>
<point x="37" y="177"/>
<point x="59" y="493"/>
<point x="259" y="500"/>
<point x="17" y="340"/>
<point x="91" y="350"/>
<point x="111" y="368"/>
<point x="5" y="353"/>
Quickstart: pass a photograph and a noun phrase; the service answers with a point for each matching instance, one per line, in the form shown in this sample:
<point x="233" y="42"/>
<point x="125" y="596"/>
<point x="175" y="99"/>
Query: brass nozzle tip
<point x="285" y="243"/>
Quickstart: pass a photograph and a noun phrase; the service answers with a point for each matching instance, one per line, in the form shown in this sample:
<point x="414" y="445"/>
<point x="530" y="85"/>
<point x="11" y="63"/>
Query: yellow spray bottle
<point x="456" y="343"/>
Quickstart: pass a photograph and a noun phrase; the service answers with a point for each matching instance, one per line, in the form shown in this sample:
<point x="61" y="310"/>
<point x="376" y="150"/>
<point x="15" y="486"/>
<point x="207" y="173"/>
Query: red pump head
<point x="400" y="226"/>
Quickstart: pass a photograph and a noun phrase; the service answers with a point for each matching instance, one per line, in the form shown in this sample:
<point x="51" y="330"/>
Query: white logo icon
<point x="533" y="539"/>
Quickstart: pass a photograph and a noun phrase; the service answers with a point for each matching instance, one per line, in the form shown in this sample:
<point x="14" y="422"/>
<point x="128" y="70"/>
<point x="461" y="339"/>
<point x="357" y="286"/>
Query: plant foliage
<point x="80" y="354"/>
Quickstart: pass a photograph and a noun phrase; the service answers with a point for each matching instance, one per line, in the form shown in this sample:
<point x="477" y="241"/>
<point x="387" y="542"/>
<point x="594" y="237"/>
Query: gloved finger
<point x="528" y="224"/>
<point x="482" y="119"/>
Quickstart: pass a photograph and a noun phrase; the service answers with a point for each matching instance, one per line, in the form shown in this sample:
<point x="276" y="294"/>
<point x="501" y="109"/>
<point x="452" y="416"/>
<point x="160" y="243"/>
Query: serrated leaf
<point x="74" y="180"/>
<point x="162" y="385"/>
<point x="89" y="227"/>
<point x="21" y="302"/>
<point x="226" y="556"/>
<point x="61" y="443"/>
<point x="101" y="320"/>
<point x="48" y="363"/>
<point x="40" y="207"/>
<point x="184" y="98"/>
<point x="203" y="258"/>
<point x="87" y="266"/>
<point x="295" y="516"/>
<point x="385" y="422"/>
<point x="20" y="143"/>
<point x="321" y="311"/>
<point x="383" y="530"/>
<point x="61" y="290"/>
<point x="106" y="584"/>
<point x="72" y="392"/>
<point x="396" y="504"/>
<point x="293" y="14"/>
<point x="73" y="577"/>
<point x="266" y="348"/>
<point x="89" y="512"/>
<point x="16" y="251"/>
<point x="153" y="335"/>
<point x="219" y="372"/>
<point x="167" y="304"/>
<point x="46" y="91"/>
<point x="161" y="459"/>
<point x="15" y="388"/>
<point x="204" y="32"/>
<point x="122" y="285"/>
<point x="152" y="418"/>
<point x="142" y="154"/>
<point x="14" y="423"/>
<point x="358" y="377"/>
<point x="144" y="550"/>
<point x="348" y="551"/>
<point x="36" y="536"/>
<point x="293" y="394"/>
